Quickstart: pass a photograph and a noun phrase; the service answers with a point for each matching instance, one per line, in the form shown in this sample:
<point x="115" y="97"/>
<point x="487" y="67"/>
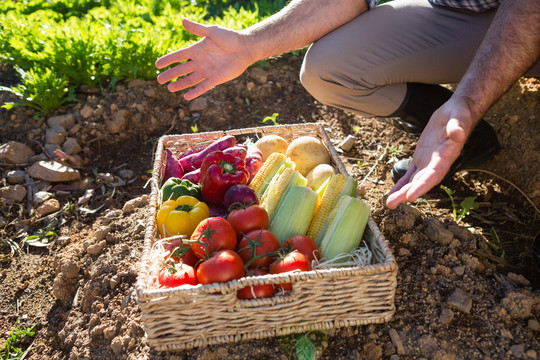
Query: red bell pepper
<point x="220" y="171"/>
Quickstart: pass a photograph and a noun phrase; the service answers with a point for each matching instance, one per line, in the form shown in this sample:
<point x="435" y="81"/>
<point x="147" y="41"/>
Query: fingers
<point x="414" y="187"/>
<point x="186" y="53"/>
<point x="195" y="28"/>
<point x="186" y="82"/>
<point x="455" y="131"/>
<point x="199" y="90"/>
<point x="176" y="72"/>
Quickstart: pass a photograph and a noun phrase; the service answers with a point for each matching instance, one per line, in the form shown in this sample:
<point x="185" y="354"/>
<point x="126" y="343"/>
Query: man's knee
<point x="315" y="74"/>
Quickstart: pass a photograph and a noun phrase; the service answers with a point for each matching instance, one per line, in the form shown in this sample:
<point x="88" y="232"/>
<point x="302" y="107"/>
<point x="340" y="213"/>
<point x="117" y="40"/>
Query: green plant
<point x="466" y="205"/>
<point x="194" y="129"/>
<point x="42" y="237"/>
<point x="40" y="88"/>
<point x="274" y="119"/>
<point x="11" y="349"/>
<point x="303" y="346"/>
<point x="252" y="113"/>
<point x="495" y="244"/>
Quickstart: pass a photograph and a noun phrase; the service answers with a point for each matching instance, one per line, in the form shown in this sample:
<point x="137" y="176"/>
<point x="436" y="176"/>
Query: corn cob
<point x="296" y="180"/>
<point x="276" y="190"/>
<point x="346" y="229"/>
<point x="293" y="215"/>
<point x="266" y="173"/>
<point x="329" y="199"/>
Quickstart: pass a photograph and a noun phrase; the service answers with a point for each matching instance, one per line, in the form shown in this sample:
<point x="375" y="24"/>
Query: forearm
<point x="510" y="47"/>
<point x="299" y="24"/>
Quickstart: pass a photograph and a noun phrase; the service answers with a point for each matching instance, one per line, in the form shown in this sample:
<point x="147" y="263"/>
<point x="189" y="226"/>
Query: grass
<point x="16" y="336"/>
<point x="58" y="45"/>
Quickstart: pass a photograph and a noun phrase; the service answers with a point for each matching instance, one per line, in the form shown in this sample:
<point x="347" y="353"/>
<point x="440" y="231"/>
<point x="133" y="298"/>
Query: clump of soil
<point x="464" y="290"/>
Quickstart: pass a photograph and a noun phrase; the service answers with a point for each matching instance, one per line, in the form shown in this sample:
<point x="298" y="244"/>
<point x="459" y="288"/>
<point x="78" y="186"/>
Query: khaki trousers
<point x="363" y="66"/>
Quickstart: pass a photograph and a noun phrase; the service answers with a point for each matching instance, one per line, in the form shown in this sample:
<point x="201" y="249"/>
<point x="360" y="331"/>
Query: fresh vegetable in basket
<point x="276" y="163"/>
<point x="173" y="275"/>
<point x="305" y="245"/>
<point x="175" y="187"/>
<point x="256" y="291"/>
<point x="178" y="251"/>
<point x="195" y="160"/>
<point x="254" y="161"/>
<point x="223" y="266"/>
<point x="249" y="218"/>
<point x="180" y="216"/>
<point x="211" y="235"/>
<point x="220" y="171"/>
<point x="345" y="227"/>
<point x="294" y="261"/>
<point x="239" y="195"/>
<point x="258" y="248"/>
<point x="172" y="166"/>
<point x="307" y="152"/>
<point x="193" y="176"/>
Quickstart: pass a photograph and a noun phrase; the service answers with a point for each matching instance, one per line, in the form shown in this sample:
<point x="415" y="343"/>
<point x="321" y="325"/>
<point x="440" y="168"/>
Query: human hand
<point x="438" y="147"/>
<point x="220" y="56"/>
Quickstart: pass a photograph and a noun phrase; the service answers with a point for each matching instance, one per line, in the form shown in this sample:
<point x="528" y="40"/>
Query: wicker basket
<point x="193" y="316"/>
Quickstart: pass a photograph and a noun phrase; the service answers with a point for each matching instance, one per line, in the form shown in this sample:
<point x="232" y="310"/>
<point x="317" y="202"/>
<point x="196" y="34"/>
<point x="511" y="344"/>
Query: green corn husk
<point x="294" y="213"/>
<point x="345" y="231"/>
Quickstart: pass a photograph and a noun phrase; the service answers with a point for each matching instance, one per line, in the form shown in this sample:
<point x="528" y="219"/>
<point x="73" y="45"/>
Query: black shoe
<point x="481" y="146"/>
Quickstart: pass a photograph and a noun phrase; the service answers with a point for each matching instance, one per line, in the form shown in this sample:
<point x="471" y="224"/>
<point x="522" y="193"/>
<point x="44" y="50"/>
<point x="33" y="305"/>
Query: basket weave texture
<point x="193" y="316"/>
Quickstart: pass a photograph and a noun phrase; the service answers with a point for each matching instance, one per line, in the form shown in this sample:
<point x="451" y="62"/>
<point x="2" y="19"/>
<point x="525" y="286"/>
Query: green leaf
<point x="305" y="349"/>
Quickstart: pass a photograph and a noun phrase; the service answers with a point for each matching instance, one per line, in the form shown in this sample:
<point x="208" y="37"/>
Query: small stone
<point x="396" y="340"/>
<point x="530" y="354"/>
<point x="118" y="122"/>
<point x="109" y="332"/>
<point x="404" y="252"/>
<point x="518" y="278"/>
<point x="15" y="176"/>
<point x="258" y="74"/>
<point x="446" y="317"/>
<point x="96" y="249"/>
<point x="460" y="301"/>
<point x="459" y="270"/>
<point x="50" y="149"/>
<point x="373" y="351"/>
<point x="518" y="304"/>
<point x="472" y="262"/>
<point x="65" y="121"/>
<point x="507" y="334"/>
<point x="70" y="269"/>
<point x="115" y="280"/>
<point x="460" y="232"/>
<point x="347" y="143"/>
<point x="132" y="204"/>
<point x="105" y="177"/>
<point x="198" y="104"/>
<point x="16" y="152"/>
<point x="250" y="85"/>
<point x="53" y="171"/>
<point x="71" y="146"/>
<point x="117" y="344"/>
<point x="394" y="357"/>
<point x="55" y="135"/>
<point x="48" y="207"/>
<point x="151" y="93"/>
<point x="3" y="223"/>
<point x="87" y="111"/>
<point x="41" y="196"/>
<point x="436" y="232"/>
<point x="136" y="83"/>
<point x="126" y="174"/>
<point x="428" y="346"/>
<point x="533" y="325"/>
<point x="518" y="350"/>
<point x="13" y="193"/>
<point x="101" y="233"/>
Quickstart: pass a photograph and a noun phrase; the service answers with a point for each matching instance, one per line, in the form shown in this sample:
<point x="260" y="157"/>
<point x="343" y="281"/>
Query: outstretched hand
<point x="221" y="55"/>
<point x="438" y="147"/>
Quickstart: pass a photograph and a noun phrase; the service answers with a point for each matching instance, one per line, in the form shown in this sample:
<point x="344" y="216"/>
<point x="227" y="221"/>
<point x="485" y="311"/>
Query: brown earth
<point x="80" y="289"/>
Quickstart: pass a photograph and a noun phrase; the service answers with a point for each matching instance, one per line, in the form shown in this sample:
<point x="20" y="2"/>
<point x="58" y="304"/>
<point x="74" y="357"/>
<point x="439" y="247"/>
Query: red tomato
<point x="224" y="266"/>
<point x="211" y="235"/>
<point x="179" y="274"/>
<point x="251" y="218"/>
<point x="256" y="291"/>
<point x="294" y="261"/>
<point x="184" y="254"/>
<point x="305" y="245"/>
<point x="254" y="245"/>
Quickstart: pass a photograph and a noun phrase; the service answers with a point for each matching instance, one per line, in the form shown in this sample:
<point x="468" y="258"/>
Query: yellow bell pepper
<point x="181" y="216"/>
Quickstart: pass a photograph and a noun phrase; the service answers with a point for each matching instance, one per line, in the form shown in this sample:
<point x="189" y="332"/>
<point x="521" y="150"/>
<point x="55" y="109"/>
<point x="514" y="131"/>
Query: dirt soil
<point x="460" y="294"/>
